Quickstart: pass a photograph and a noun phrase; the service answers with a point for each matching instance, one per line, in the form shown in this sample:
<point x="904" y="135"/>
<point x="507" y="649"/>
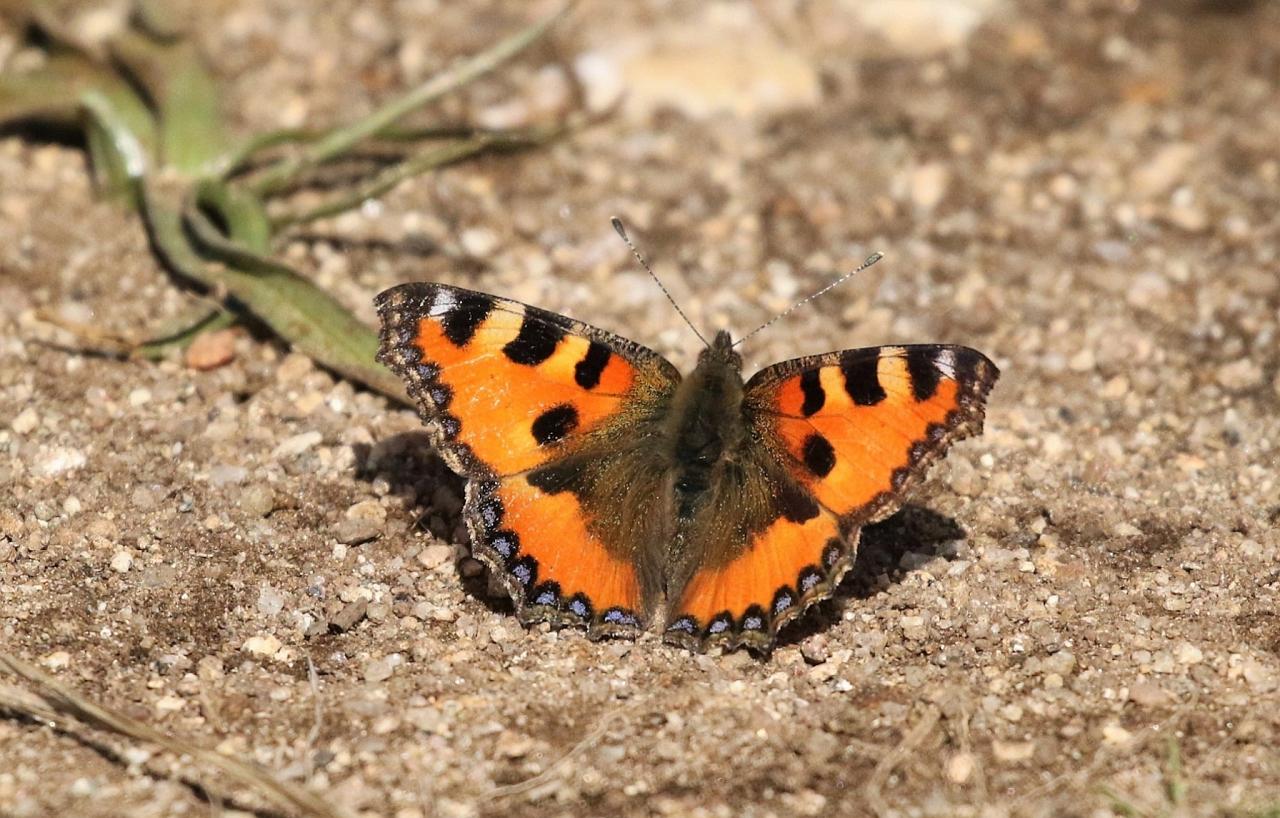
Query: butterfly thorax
<point x="706" y="421"/>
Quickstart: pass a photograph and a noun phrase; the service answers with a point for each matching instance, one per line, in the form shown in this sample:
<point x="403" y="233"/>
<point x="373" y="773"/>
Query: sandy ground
<point x="1077" y="615"/>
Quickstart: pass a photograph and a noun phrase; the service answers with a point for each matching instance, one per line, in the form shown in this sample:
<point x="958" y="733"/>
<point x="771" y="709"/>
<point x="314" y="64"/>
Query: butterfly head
<point x="721" y="351"/>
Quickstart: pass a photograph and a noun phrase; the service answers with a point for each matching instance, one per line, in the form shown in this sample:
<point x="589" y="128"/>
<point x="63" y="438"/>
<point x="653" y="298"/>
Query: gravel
<point x="1088" y="194"/>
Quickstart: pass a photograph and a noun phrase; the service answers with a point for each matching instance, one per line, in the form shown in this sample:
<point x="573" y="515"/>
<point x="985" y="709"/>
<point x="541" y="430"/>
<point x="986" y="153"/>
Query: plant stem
<point x="415" y="165"/>
<point x="340" y="141"/>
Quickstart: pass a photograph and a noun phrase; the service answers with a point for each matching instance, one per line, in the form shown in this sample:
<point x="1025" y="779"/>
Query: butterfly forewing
<point x="537" y="410"/>
<point x="857" y="427"/>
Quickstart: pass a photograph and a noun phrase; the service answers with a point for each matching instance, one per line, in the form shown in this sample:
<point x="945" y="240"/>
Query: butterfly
<point x="606" y="491"/>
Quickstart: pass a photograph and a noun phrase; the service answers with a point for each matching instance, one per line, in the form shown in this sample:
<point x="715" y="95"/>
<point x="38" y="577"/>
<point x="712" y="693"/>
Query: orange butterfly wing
<point x="508" y="392"/>
<point x="846" y="435"/>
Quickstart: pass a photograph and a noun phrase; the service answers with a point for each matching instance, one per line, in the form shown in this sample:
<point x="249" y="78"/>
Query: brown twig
<point x="49" y="700"/>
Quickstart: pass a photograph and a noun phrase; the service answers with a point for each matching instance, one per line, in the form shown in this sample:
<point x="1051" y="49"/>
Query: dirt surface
<point x="1077" y="616"/>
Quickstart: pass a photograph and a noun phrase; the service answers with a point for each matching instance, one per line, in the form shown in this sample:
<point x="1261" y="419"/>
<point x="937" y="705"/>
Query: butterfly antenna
<point x="871" y="259"/>
<point x="622" y="231"/>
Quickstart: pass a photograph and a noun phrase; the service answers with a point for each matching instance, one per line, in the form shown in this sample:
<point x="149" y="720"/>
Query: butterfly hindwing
<point x="767" y="550"/>
<point x="510" y="394"/>
<point x="841" y="438"/>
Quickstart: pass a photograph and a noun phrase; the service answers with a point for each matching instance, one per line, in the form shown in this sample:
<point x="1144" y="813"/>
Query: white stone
<point x="1011" y="752"/>
<point x="58" y="660"/>
<point x="1116" y="735"/>
<point x="1188" y="654"/>
<point x="58" y="460"/>
<point x="296" y="445"/>
<point x="960" y="767"/>
<point x="922" y="27"/>
<point x="270" y="600"/>
<point x="122" y="562"/>
<point x="26" y="421"/>
<point x="265" y="646"/>
<point x="928" y="184"/>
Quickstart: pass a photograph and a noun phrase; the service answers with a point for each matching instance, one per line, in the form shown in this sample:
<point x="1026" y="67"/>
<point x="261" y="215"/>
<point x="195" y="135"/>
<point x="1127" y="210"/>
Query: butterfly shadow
<point x="412" y="470"/>
<point x="408" y="467"/>
<point x="889" y="549"/>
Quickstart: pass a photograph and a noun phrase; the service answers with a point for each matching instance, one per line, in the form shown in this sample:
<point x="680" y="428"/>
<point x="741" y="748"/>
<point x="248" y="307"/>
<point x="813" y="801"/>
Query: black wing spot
<point x="587" y="372"/>
<point x="862" y="379"/>
<point x="796" y="504"/>
<point x="555" y="424"/>
<point x="924" y="373"/>
<point x="465" y="317"/>
<point x="818" y="455"/>
<point x="555" y="478"/>
<point x="535" y="342"/>
<point x="814" y="395"/>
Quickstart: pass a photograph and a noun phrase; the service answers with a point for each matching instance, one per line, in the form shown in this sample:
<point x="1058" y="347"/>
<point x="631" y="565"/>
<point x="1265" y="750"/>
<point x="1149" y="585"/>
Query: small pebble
<point x="26" y="421"/>
<point x="513" y="745"/>
<point x="379" y="670"/>
<point x="58" y="660"/>
<point x="815" y="649"/>
<point x="294" y="366"/>
<point x="1116" y="735"/>
<point x="1239" y="375"/>
<point x="355" y="531"/>
<point x="58" y="460"/>
<point x="1188" y="654"/>
<point x="928" y="185"/>
<point x="1012" y="752"/>
<point x="211" y="350"/>
<point x="270" y="600"/>
<point x="1149" y="694"/>
<point x="296" y="445"/>
<point x="258" y="500"/>
<point x="960" y="767"/>
<point x="434" y="556"/>
<point x="349" y="616"/>
<point x="266" y="645"/>
<point x="121" y="562"/>
<point x="227" y="475"/>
